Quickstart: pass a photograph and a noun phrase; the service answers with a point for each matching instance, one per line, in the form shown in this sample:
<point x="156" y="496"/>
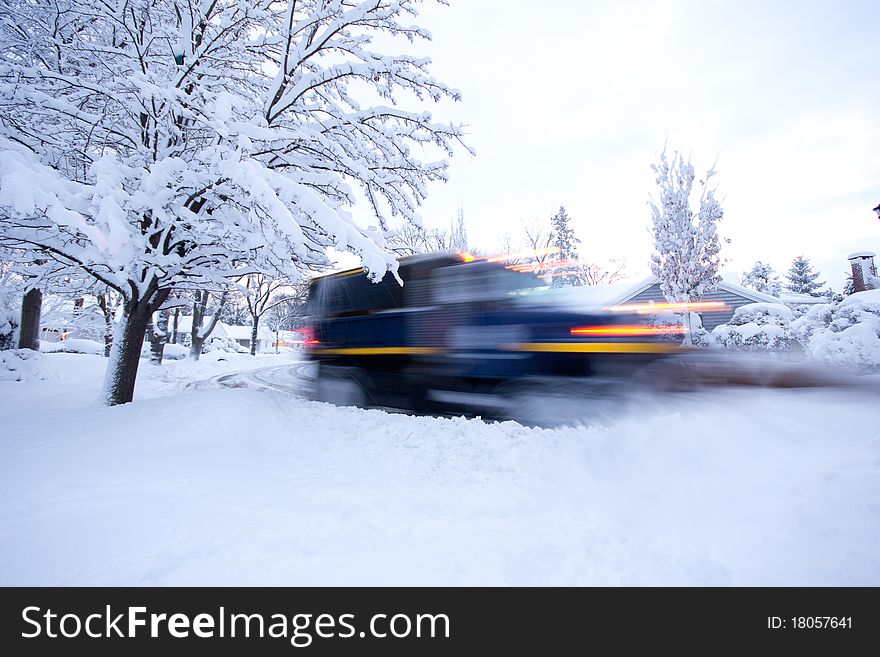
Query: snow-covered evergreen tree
<point x="802" y="279"/>
<point x="458" y="233"/>
<point x="568" y="270"/>
<point x="686" y="245"/>
<point x="762" y="278"/>
<point x="160" y="144"/>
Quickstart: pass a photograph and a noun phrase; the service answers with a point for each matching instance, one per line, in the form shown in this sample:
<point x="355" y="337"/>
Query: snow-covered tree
<point x="762" y="278"/>
<point x="159" y="144"/>
<point x="261" y="290"/>
<point x="568" y="270"/>
<point x="802" y="279"/>
<point x="11" y="292"/>
<point x="288" y="311"/>
<point x="459" y="233"/>
<point x="200" y="331"/>
<point x="595" y="274"/>
<point x="686" y="244"/>
<point x="235" y="310"/>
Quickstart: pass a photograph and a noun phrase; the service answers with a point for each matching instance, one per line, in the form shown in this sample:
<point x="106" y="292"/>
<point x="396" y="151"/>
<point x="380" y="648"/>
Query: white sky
<point x="569" y="102"/>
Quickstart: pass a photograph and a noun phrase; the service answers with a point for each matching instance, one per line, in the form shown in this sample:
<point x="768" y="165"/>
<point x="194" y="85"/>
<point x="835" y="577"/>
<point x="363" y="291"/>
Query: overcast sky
<point x="568" y="102"/>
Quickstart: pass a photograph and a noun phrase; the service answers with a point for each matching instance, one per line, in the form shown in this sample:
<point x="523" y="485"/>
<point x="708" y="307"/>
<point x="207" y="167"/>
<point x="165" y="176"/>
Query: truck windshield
<point x="480" y="281"/>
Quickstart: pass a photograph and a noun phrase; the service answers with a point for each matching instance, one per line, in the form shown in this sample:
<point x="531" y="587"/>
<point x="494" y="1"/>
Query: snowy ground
<point x="197" y="484"/>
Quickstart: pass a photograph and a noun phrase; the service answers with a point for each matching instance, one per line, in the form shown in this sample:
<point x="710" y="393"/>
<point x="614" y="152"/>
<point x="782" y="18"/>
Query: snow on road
<point x="197" y="484"/>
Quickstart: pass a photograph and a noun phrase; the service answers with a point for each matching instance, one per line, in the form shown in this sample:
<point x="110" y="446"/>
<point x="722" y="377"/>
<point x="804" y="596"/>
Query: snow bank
<point x="170" y="352"/>
<point x="73" y="346"/>
<point x="25" y="365"/>
<point x="194" y="485"/>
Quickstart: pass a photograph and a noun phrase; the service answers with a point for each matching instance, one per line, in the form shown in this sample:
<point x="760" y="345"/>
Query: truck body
<point x="463" y="334"/>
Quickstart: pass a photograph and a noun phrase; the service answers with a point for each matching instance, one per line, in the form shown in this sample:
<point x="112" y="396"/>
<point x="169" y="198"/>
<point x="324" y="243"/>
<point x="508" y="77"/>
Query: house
<point x="731" y="294"/>
<point x="242" y="335"/>
<point x="184" y="328"/>
<point x="647" y="291"/>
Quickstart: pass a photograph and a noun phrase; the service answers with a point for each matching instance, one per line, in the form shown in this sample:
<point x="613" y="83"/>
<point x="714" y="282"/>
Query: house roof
<point x="222" y="330"/>
<point x="593" y="297"/>
<point x="184" y="325"/>
<point x="727" y="286"/>
<point x="244" y="332"/>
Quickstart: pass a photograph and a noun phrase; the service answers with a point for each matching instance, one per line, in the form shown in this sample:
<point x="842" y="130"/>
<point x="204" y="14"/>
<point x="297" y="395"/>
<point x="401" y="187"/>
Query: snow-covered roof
<point x="222" y="330"/>
<point x="866" y="296"/>
<point x="244" y="332"/>
<point x="598" y="296"/>
<point x="725" y="285"/>
<point x="184" y="325"/>
<point x="794" y="297"/>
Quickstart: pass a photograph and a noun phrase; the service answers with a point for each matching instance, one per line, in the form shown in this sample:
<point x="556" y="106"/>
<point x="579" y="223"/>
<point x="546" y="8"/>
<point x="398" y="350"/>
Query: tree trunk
<point x="158" y="336"/>
<point x="196" y="341"/>
<point x="254" y="325"/>
<point x="688" y="336"/>
<point x="104" y="305"/>
<point x="126" y="351"/>
<point x="174" y="324"/>
<point x="29" y="329"/>
<point x="198" y="335"/>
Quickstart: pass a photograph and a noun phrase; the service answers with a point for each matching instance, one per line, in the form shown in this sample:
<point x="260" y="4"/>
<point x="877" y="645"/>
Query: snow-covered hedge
<point x="223" y="344"/>
<point x="170" y="352"/>
<point x="25" y="365"/>
<point x="756" y="327"/>
<point x="173" y="351"/>
<point x="845" y="334"/>
<point x="73" y="346"/>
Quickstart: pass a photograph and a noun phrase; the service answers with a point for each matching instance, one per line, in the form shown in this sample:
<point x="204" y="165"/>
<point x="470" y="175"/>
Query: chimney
<point x="863" y="271"/>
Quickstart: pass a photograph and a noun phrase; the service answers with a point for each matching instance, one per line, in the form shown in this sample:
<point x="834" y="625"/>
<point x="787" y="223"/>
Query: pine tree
<point x="563" y="237"/>
<point x="763" y="278"/>
<point x="802" y="279"/>
<point x="458" y="233"/>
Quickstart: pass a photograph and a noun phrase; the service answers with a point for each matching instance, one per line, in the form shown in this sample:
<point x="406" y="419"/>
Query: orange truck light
<point x="627" y="330"/>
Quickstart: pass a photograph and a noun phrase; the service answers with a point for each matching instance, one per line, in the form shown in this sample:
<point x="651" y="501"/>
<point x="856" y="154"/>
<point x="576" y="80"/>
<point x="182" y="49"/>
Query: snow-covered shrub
<point x="846" y="334"/>
<point x="223" y="344"/>
<point x="756" y="327"/>
<point x="169" y="351"/>
<point x="73" y="346"/>
<point x="817" y="318"/>
<point x="174" y="352"/>
<point x="8" y="325"/>
<point x="668" y="320"/>
<point x="25" y="365"/>
<point x="699" y="335"/>
<point x="10" y="310"/>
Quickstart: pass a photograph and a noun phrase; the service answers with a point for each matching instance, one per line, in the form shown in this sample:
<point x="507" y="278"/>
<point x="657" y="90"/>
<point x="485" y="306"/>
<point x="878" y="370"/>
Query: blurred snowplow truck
<point x="462" y="335"/>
